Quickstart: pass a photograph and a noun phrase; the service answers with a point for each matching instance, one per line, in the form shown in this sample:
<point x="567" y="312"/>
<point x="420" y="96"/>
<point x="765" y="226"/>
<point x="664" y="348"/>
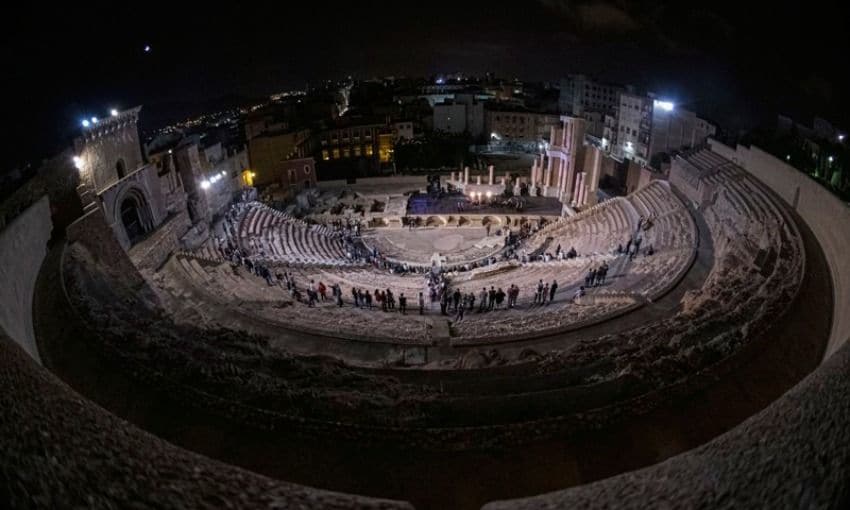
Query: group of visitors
<point x="596" y="276"/>
<point x="545" y="292"/>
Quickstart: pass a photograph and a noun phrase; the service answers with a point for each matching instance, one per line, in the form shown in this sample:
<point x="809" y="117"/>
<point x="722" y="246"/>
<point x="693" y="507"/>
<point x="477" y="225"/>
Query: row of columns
<point x="491" y="177"/>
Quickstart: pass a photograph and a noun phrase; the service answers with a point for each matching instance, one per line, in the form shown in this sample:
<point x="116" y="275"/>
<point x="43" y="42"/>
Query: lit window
<point x="368" y="150"/>
<point x="356" y="151"/>
<point x="325" y="155"/>
<point x="336" y="153"/>
<point x="346" y="152"/>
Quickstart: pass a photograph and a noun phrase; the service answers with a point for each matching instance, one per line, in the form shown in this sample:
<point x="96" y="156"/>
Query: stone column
<point x="479" y="179"/>
<point x="592" y="178"/>
<point x="452" y="180"/>
<point x="581" y="187"/>
<point x="466" y="175"/>
<point x="491" y="169"/>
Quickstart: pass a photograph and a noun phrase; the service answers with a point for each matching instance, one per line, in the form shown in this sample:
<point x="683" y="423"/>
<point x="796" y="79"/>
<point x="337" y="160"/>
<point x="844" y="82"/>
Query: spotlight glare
<point x="86" y="123"/>
<point x="205" y="184"/>
<point x="113" y="112"/>
<point x="667" y="106"/>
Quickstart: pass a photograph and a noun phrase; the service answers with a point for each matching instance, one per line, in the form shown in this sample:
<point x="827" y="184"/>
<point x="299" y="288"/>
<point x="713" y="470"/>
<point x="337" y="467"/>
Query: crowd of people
<point x="437" y="290"/>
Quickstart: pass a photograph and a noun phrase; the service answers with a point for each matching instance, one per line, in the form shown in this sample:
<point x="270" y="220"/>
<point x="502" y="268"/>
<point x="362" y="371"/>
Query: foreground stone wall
<point x="23" y="245"/>
<point x="794" y="454"/>
<point x="62" y="451"/>
<point x="826" y="215"/>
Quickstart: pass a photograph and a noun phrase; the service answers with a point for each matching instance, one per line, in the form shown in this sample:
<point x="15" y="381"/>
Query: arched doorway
<point x="135" y="217"/>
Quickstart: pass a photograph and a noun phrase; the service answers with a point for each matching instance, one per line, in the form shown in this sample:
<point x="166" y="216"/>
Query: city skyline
<point x="77" y="62"/>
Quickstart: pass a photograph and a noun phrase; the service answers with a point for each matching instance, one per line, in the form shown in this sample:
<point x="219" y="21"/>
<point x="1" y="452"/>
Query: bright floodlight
<point x="205" y="184"/>
<point x="94" y="120"/>
<point x="86" y="123"/>
<point x="223" y="173"/>
<point x="113" y="112"/>
<point x="78" y="162"/>
<point x="664" y="105"/>
<point x="840" y="138"/>
<point x="829" y="159"/>
<point x="788" y="157"/>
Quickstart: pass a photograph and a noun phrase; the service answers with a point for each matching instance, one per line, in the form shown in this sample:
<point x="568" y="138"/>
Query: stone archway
<point x="135" y="216"/>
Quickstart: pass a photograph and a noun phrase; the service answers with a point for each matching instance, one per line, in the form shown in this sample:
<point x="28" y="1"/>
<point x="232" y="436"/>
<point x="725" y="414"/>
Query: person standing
<point x="402" y="304"/>
<point x="552" y="289"/>
<point x="459" y="314"/>
<point x="421" y="304"/>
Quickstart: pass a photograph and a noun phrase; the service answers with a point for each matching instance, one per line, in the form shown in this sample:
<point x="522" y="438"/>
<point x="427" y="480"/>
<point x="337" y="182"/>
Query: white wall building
<point x="634" y="123"/>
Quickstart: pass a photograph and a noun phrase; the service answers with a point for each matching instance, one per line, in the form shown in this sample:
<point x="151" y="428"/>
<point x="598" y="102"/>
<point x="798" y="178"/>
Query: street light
<point x="113" y="112"/>
<point x="78" y="162"/>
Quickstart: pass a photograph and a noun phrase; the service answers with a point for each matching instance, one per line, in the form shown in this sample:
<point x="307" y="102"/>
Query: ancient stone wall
<point x="23" y="246"/>
<point x="152" y="252"/>
<point x="92" y="231"/>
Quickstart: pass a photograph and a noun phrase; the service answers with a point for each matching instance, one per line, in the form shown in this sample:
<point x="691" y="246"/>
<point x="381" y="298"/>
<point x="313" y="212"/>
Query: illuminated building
<point x="269" y="153"/>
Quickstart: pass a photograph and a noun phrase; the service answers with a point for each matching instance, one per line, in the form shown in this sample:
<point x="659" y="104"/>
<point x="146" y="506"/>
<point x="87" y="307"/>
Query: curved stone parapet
<point x="62" y="451"/>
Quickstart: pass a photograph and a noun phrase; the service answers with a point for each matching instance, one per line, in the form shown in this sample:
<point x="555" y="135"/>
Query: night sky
<point x="734" y="65"/>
